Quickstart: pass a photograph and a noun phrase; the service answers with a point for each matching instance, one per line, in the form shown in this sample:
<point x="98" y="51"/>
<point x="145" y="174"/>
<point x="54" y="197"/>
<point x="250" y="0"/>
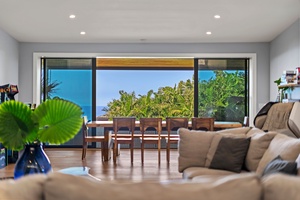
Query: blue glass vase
<point x="32" y="161"/>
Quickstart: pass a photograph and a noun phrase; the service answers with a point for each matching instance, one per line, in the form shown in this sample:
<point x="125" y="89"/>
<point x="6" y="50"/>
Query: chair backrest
<point x="176" y="122"/>
<point x="203" y="123"/>
<point x="123" y="122"/>
<point x="155" y="123"/>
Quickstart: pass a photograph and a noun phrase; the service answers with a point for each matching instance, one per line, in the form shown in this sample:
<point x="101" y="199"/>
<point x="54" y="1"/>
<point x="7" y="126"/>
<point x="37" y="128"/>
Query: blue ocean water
<point x="87" y="110"/>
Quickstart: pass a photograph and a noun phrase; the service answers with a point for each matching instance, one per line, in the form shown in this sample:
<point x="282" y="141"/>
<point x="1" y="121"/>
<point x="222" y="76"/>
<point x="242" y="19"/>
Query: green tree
<point x="223" y="97"/>
<point x="167" y="101"/>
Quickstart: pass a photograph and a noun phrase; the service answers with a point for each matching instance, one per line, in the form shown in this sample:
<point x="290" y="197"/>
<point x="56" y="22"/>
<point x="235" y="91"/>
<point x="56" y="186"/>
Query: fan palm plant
<point x="54" y="121"/>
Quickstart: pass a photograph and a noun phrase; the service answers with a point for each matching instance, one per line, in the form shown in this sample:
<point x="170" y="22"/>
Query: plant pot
<point x="32" y="161"/>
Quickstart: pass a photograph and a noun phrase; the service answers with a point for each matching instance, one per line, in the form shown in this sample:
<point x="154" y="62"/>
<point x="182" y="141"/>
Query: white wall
<point x="284" y="55"/>
<point x="9" y="59"/>
<point x="260" y="49"/>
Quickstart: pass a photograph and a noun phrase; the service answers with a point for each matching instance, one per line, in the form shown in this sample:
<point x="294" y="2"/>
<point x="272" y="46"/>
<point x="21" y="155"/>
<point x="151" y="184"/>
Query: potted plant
<point x="54" y="121"/>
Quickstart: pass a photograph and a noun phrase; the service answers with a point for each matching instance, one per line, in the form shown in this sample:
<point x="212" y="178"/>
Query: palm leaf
<point x="59" y="120"/>
<point x="16" y="125"/>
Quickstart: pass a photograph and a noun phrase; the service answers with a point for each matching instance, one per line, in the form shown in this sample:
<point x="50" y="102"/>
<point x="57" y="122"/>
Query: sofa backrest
<point x="197" y="147"/>
<point x="25" y="188"/>
<point x="68" y="187"/>
<point x="294" y="120"/>
<point x="287" y="147"/>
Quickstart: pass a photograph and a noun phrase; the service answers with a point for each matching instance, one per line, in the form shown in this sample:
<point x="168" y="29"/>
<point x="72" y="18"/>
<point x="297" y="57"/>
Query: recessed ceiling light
<point x="82" y="33"/>
<point x="72" y="16"/>
<point x="217" y="16"/>
<point x="208" y="33"/>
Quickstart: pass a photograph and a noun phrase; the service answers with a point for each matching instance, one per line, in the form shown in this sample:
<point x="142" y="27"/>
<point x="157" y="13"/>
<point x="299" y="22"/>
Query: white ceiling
<point x="147" y="21"/>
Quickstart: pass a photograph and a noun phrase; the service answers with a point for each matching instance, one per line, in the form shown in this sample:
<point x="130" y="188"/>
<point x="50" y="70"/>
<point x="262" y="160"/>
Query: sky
<point x="76" y="85"/>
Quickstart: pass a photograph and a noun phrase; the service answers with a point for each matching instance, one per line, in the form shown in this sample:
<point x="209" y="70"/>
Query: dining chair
<point x="119" y="124"/>
<point x="147" y="138"/>
<point x="86" y="138"/>
<point x="203" y="123"/>
<point x="172" y="124"/>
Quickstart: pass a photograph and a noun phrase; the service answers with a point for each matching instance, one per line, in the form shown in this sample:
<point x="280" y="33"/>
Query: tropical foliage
<point x="55" y="121"/>
<point x="221" y="97"/>
<point x="167" y="101"/>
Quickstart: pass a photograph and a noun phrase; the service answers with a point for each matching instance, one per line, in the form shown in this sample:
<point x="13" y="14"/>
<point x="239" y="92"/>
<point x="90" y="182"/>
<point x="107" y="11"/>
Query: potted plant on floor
<point x="54" y="121"/>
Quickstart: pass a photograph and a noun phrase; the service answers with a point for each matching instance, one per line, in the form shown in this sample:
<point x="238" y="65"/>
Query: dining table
<point x="108" y="125"/>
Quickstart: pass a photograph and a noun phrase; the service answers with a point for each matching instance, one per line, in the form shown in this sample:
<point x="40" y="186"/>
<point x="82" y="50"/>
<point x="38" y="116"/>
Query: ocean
<point x="87" y="110"/>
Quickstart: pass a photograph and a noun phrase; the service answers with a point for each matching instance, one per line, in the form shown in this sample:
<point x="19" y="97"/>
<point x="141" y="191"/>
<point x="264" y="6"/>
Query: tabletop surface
<point x="217" y="124"/>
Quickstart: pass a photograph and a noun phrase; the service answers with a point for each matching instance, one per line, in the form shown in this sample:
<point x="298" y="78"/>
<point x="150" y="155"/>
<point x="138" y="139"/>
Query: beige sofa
<point x="56" y="186"/>
<point x="198" y="151"/>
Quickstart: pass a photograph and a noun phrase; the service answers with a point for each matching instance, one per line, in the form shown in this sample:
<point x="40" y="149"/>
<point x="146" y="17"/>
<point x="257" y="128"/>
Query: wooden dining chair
<point x="172" y="124"/>
<point x="203" y="123"/>
<point x="119" y="124"/>
<point x="86" y="138"/>
<point x="147" y="138"/>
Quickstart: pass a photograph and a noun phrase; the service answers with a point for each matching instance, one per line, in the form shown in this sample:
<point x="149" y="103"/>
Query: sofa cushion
<point x="283" y="166"/>
<point x="26" y="188"/>
<point x="68" y="187"/>
<point x="287" y="147"/>
<point x="258" y="145"/>
<point x="234" y="131"/>
<point x="254" y="131"/>
<point x="281" y="186"/>
<point x="193" y="147"/>
<point x="230" y="154"/>
<point x="192" y="172"/>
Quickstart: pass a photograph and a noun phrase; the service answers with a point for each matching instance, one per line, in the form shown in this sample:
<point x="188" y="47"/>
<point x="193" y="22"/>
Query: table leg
<point x="107" y="145"/>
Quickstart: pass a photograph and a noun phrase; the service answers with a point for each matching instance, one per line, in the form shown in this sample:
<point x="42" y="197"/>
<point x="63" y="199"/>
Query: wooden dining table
<point x="217" y="124"/>
<point x="108" y="125"/>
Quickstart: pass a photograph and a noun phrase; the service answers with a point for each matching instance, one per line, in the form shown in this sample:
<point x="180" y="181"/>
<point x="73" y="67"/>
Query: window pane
<point x="222" y="89"/>
<point x="125" y="92"/>
<point x="70" y="79"/>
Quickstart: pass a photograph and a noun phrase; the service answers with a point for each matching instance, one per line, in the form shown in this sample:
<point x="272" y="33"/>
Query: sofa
<point x="233" y="151"/>
<point x="202" y="178"/>
<point x="247" y="186"/>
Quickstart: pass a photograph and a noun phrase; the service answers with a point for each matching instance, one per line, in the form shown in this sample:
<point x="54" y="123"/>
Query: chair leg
<point x="115" y="151"/>
<point x="84" y="146"/>
<point x="158" y="149"/>
<point x="142" y="152"/>
<point x="102" y="152"/>
<point x="168" y="151"/>
<point x="131" y="152"/>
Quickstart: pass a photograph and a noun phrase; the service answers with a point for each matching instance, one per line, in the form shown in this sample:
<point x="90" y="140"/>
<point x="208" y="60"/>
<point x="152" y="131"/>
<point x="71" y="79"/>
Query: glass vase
<point x="32" y="161"/>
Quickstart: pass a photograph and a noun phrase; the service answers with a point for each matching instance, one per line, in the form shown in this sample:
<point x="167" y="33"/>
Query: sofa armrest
<point x="259" y="121"/>
<point x="280" y="186"/>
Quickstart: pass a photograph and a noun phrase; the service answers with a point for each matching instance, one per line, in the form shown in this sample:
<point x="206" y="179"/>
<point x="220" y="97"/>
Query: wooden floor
<point x="123" y="170"/>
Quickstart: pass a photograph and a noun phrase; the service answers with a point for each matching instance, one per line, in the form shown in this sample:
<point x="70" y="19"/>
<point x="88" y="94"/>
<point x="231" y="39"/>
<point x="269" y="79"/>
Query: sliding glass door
<point x="69" y="79"/>
<point x="223" y="88"/>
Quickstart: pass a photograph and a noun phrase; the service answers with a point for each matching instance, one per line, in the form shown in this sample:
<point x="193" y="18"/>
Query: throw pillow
<point x="258" y="146"/>
<point x="278" y="165"/>
<point x="287" y="147"/>
<point x="230" y="154"/>
<point x="193" y="147"/>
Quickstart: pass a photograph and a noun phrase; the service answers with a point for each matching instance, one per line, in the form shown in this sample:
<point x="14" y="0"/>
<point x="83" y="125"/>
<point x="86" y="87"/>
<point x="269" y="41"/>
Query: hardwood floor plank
<point x="123" y="170"/>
